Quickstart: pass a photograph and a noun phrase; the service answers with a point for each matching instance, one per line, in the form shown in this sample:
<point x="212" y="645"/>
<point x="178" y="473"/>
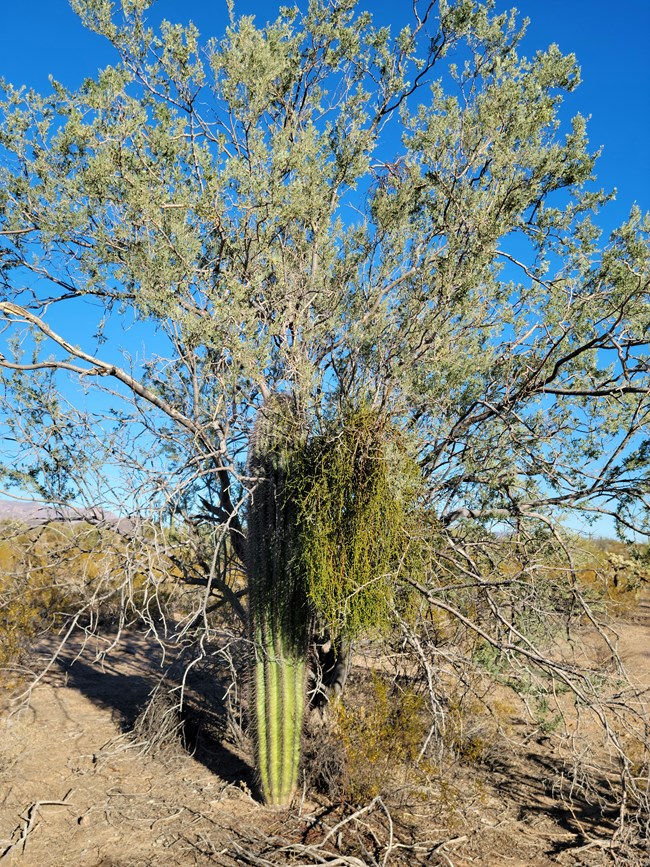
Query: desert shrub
<point x="625" y="573"/>
<point x="323" y="758"/>
<point x="54" y="573"/>
<point x="613" y="571"/>
<point x="31" y="600"/>
<point x="465" y="734"/>
<point x="381" y="737"/>
<point x="158" y="728"/>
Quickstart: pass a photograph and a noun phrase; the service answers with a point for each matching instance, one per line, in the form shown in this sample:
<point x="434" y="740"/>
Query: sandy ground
<point x="76" y="789"/>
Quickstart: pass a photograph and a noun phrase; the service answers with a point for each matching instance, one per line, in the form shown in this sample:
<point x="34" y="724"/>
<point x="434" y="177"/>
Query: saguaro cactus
<point x="325" y="531"/>
<point x="278" y="610"/>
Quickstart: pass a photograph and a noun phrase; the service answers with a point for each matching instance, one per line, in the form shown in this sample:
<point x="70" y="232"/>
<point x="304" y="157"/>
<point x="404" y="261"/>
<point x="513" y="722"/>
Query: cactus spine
<point x="278" y="611"/>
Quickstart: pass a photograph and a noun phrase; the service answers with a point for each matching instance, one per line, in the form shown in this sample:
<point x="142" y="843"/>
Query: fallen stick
<point x="30" y="822"/>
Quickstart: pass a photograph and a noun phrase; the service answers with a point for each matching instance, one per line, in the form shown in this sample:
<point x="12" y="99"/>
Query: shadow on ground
<point x="203" y="719"/>
<point x="537" y="785"/>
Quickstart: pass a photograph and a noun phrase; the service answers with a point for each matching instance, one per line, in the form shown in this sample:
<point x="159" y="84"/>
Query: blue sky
<point x="42" y="37"/>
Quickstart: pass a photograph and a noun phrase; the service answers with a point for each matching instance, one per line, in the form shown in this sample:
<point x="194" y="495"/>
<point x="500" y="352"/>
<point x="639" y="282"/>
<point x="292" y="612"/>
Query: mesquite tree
<point x="323" y="208"/>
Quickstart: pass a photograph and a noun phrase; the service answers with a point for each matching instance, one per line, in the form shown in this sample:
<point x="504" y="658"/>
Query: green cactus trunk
<point x="278" y="610"/>
<point x="279" y="689"/>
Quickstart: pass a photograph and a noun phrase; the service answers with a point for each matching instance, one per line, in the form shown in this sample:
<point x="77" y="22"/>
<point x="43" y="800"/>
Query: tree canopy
<point x="320" y="206"/>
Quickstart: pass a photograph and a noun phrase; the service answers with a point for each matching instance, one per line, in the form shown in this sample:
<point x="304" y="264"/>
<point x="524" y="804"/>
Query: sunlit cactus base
<point x="279" y="689"/>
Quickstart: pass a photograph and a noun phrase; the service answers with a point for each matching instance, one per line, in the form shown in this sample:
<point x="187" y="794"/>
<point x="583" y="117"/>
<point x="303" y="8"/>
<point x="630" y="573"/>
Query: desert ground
<point x="79" y="785"/>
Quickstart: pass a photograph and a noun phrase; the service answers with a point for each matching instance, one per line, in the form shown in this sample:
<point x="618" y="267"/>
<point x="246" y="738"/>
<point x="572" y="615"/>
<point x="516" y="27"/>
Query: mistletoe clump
<point x="355" y="487"/>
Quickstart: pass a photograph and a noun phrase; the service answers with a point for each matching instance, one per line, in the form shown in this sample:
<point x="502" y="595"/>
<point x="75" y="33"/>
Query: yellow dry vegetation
<point x="381" y="740"/>
<point x="56" y="572"/>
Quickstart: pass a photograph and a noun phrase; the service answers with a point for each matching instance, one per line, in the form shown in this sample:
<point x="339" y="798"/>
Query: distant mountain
<point x="34" y="514"/>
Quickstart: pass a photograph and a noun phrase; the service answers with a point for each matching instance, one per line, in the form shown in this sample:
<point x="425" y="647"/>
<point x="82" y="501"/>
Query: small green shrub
<point x="381" y="741"/>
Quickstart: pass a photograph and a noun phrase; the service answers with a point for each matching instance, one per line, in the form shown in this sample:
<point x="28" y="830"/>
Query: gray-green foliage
<point x="322" y="204"/>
